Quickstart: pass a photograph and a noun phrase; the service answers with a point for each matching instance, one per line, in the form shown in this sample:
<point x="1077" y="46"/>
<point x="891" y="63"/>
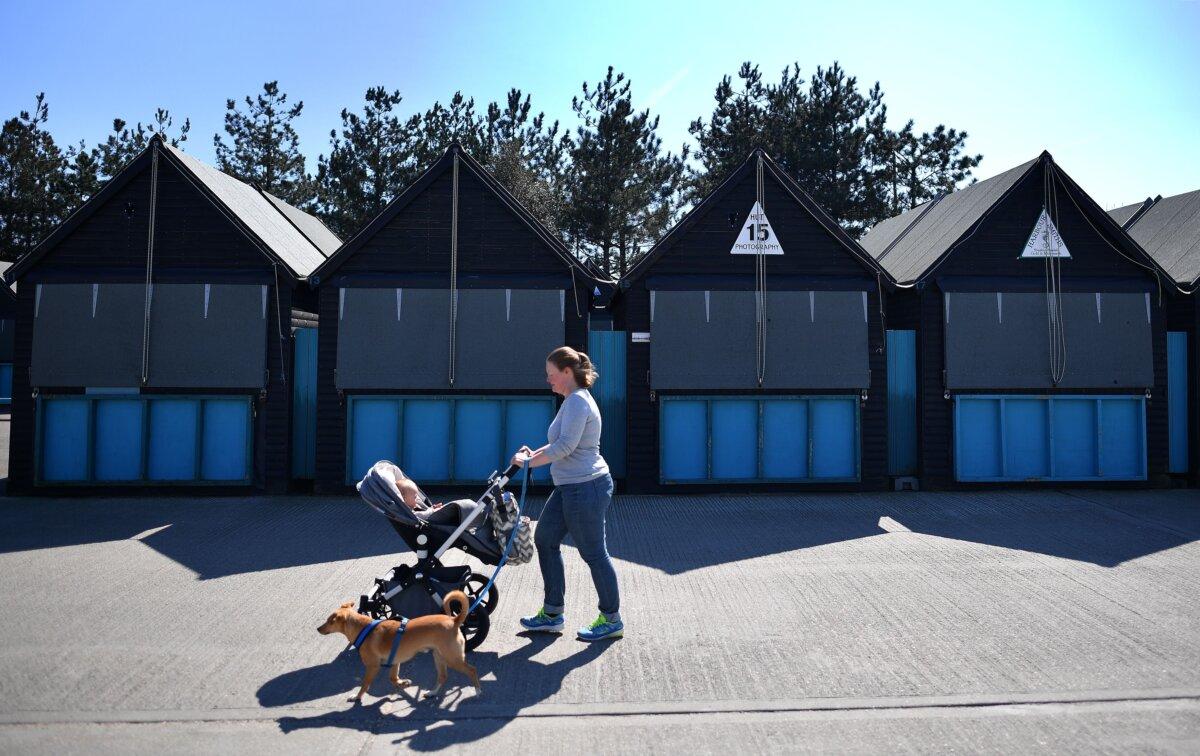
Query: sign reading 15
<point x="758" y="231"/>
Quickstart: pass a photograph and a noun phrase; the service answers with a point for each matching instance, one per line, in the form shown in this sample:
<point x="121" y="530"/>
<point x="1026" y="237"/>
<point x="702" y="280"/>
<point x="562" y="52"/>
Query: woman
<point x="582" y="492"/>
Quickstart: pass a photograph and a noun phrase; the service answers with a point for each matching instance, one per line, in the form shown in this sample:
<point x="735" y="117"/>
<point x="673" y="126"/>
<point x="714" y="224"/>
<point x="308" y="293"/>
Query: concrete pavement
<point x="1002" y="621"/>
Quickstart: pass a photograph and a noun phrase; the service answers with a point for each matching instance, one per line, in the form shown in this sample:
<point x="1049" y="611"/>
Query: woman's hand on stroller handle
<point x="521" y="457"/>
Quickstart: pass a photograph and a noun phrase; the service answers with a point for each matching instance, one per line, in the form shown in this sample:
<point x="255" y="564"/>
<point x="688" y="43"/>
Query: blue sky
<point x="1108" y="87"/>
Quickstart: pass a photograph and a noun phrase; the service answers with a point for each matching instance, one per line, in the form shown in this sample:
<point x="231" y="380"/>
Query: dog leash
<point x="512" y="537"/>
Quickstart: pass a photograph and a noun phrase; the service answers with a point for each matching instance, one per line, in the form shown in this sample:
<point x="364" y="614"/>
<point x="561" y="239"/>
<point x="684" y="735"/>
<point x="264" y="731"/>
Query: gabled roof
<point x="283" y="228"/>
<point x="1168" y="228"/>
<point x="910" y="244"/>
<point x="284" y="233"/>
<point x="1125" y="216"/>
<point x="440" y="166"/>
<point x="789" y="185"/>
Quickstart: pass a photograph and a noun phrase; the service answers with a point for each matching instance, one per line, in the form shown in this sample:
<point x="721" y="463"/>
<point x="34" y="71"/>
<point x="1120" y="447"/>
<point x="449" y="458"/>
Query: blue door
<point x="902" y="402"/>
<point x="440" y="439"/>
<point x="1177" y="400"/>
<point x="138" y="439"/>
<point x="304" y="403"/>
<point x="741" y="439"/>
<point x="5" y="382"/>
<point x="1061" y="438"/>
<point x="607" y="351"/>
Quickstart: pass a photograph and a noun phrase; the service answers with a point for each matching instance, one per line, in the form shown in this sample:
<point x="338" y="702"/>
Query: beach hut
<point x="435" y="323"/>
<point x="756" y="346"/>
<point x="1039" y="330"/>
<point x="153" y="334"/>
<point x="1168" y="228"/>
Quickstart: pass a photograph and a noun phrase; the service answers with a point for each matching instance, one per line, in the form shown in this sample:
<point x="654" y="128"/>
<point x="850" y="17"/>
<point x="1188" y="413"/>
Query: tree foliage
<point x="263" y="146"/>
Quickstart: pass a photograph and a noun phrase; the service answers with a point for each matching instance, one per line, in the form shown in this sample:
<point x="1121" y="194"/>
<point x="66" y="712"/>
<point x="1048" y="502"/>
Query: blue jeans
<point x="578" y="509"/>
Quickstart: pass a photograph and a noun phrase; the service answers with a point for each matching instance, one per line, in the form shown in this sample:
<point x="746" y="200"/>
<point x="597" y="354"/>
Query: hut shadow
<point x="455" y="718"/>
<point x="677" y="534"/>
<point x="213" y="537"/>
<point x="1064" y="525"/>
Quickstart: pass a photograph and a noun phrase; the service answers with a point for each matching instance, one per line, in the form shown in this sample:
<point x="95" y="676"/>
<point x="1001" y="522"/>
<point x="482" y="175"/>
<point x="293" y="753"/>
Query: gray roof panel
<point x="270" y="223"/>
<point x="1122" y="214"/>
<point x="910" y="244"/>
<point x="1170" y="233"/>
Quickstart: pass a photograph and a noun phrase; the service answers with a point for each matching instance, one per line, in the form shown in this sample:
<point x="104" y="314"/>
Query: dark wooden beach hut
<point x="153" y="334"/>
<point x="1039" y="330"/>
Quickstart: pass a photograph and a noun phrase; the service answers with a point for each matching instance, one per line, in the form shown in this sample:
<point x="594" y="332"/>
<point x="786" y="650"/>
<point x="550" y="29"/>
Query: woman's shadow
<point x="520" y="682"/>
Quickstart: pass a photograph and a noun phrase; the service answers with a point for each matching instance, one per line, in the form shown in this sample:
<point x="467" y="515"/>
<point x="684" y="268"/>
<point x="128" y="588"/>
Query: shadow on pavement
<point x="428" y="725"/>
<point x="213" y="537"/>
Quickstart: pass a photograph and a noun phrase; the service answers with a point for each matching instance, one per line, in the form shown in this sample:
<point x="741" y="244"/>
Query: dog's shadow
<point x="423" y="724"/>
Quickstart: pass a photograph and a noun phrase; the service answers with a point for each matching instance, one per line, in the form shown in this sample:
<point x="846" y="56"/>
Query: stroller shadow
<point x="430" y="724"/>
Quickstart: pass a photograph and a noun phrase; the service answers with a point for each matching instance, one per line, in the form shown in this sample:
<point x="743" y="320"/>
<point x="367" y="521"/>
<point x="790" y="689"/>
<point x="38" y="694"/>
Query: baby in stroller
<point x="450" y="513"/>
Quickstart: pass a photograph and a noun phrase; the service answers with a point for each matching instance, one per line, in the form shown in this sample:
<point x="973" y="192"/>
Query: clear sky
<point x="1110" y="88"/>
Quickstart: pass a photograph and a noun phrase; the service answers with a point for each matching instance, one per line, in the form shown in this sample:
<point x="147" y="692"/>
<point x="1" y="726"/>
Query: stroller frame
<point x="419" y="589"/>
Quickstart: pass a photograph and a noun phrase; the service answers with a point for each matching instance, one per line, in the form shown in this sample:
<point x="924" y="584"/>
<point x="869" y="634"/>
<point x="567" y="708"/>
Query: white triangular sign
<point x="1045" y="241"/>
<point x="756" y="235"/>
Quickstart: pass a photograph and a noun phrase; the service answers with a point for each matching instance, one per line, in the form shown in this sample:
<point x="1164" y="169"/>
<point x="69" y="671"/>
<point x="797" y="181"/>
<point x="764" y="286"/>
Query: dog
<point x="436" y="633"/>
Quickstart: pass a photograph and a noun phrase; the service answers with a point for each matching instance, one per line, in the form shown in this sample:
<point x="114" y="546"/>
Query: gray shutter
<point x="8" y="329"/>
<point x="705" y="340"/>
<point x="223" y="348"/>
<point x="504" y="337"/>
<point x="1002" y="342"/>
<point x="76" y="344"/>
<point x="391" y="341"/>
<point x="817" y="340"/>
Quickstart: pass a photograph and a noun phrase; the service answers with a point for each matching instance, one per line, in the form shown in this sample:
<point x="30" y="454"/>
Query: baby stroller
<point x="417" y="590"/>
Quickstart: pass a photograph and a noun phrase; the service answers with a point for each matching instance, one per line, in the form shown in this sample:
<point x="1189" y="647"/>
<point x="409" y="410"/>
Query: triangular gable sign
<point x="756" y="235"/>
<point x="1044" y="241"/>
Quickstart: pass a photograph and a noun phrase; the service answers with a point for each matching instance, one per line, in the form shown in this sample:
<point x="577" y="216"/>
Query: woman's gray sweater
<point x="574" y="437"/>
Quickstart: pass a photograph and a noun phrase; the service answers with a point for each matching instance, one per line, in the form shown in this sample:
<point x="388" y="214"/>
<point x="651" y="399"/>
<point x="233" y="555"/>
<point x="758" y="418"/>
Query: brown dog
<point x="436" y="633"/>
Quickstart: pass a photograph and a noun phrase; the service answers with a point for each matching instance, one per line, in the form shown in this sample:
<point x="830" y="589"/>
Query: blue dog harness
<point x="362" y="636"/>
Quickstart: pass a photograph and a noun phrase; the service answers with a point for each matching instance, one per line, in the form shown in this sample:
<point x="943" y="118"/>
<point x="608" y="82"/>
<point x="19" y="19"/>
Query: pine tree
<point x="263" y="147"/>
<point x="93" y="168"/>
<point x="623" y="189"/>
<point x="830" y="136"/>
<point x="369" y="163"/>
<point x="36" y="189"/>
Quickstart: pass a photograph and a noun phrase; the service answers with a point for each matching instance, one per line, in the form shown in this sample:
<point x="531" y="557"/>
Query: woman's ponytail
<point x="579" y="363"/>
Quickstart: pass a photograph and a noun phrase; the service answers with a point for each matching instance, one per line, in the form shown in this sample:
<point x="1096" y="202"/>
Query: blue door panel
<point x="525" y="424"/>
<point x="607" y="351"/>
<point x="375" y="434"/>
<point x="1120" y="439"/>
<point x="685" y="440"/>
<point x="1177" y="400"/>
<point x="6" y="382"/>
<point x="477" y="449"/>
<point x="118" y="440"/>
<point x="902" y="402"/>
<point x="304" y="403"/>
<point x="1050" y="438"/>
<point x="1075" y="438"/>
<point x="427" y="439"/>
<point x="734" y="429"/>
<point x="1027" y="448"/>
<point x="226" y="439"/>
<point x="64" y="440"/>
<point x="977" y="434"/>
<point x="758" y="438"/>
<point x="835" y="438"/>
<point x="172" y="453"/>
<point x="785" y="440"/>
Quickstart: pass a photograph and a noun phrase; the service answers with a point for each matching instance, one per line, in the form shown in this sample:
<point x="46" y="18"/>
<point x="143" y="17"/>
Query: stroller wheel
<point x="474" y="585"/>
<point x="475" y="628"/>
